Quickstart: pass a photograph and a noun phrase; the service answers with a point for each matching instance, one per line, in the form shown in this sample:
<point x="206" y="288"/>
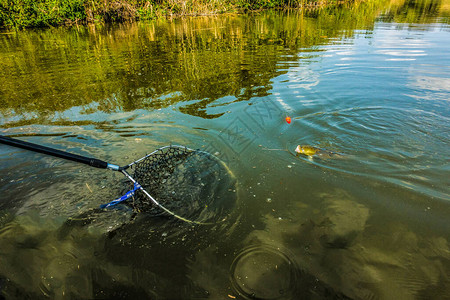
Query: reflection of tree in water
<point x="416" y="11"/>
<point x="189" y="62"/>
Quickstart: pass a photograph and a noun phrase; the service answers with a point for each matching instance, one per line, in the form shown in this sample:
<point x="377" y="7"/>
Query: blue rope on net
<point x="128" y="195"/>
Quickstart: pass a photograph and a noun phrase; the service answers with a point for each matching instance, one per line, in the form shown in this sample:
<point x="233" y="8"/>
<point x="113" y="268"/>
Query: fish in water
<point x="314" y="151"/>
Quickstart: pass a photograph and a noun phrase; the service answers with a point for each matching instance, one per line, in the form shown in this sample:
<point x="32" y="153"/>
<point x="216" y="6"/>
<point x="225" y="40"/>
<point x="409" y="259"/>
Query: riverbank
<point x="45" y="13"/>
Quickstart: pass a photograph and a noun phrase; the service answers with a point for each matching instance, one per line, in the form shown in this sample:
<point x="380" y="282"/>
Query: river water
<point x="369" y="82"/>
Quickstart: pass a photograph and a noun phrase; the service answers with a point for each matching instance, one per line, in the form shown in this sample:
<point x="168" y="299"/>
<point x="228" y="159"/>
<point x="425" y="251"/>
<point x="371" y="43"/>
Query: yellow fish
<point x="314" y="151"/>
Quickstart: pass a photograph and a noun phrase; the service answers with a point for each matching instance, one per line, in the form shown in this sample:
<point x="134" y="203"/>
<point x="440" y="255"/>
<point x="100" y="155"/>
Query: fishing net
<point x="190" y="184"/>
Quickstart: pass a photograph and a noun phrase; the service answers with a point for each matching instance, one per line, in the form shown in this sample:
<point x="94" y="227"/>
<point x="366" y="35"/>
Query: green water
<point x="370" y="82"/>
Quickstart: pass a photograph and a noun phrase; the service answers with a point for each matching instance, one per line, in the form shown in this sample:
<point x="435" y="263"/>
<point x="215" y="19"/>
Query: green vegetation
<point x="44" y="13"/>
<point x="32" y="13"/>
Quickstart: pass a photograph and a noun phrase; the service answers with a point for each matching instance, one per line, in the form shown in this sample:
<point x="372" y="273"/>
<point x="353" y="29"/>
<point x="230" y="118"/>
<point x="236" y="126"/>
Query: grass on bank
<point x="44" y="13"/>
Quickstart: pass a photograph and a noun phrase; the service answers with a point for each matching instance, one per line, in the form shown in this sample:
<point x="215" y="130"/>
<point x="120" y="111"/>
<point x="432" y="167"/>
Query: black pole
<point x="93" y="162"/>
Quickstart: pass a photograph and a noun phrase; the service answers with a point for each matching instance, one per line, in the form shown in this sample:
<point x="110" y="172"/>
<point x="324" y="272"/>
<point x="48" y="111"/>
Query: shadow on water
<point x="86" y="257"/>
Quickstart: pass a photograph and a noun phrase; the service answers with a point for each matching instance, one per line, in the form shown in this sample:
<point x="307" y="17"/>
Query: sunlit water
<point x="371" y="83"/>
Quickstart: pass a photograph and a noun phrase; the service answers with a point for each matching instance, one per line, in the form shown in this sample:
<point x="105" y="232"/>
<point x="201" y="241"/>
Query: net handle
<point x="93" y="162"/>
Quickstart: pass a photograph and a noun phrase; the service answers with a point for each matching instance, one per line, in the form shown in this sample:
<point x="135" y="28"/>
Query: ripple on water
<point x="263" y="272"/>
<point x="402" y="145"/>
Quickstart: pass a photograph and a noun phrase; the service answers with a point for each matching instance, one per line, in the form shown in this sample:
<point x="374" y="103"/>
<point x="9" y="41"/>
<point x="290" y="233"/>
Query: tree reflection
<point x="189" y="62"/>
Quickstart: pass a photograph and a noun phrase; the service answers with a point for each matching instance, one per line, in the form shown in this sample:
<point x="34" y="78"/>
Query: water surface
<point x="371" y="82"/>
